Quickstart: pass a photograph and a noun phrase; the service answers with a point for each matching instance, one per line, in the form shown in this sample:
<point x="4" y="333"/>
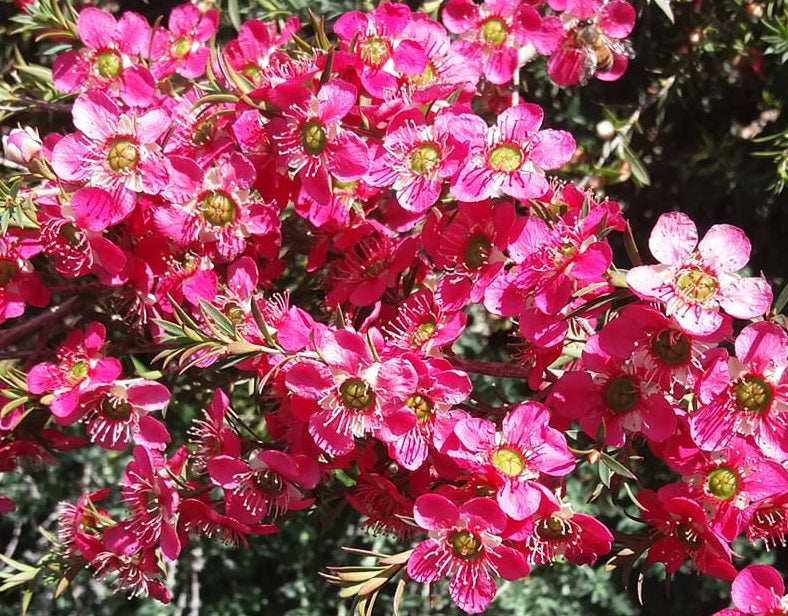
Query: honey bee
<point x="599" y="49"/>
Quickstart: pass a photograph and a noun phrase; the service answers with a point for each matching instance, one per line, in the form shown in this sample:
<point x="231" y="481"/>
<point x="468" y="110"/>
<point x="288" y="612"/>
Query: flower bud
<point x="605" y="130"/>
<point x="22" y="146"/>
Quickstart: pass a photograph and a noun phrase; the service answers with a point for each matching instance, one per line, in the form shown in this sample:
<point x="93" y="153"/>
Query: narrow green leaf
<point x="639" y="172"/>
<point x="235" y="14"/>
<point x="782" y="300"/>
<point x="211" y="313"/>
<point x="616" y="466"/>
<point x="664" y="6"/>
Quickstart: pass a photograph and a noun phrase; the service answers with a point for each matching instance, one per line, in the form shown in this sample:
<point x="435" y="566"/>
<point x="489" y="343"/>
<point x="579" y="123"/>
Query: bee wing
<point x="621" y="47"/>
<point x="589" y="65"/>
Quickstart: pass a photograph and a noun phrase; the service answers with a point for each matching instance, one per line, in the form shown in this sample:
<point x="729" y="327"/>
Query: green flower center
<point x="671" y="347"/>
<point x="218" y="208"/>
<point x="695" y="285"/>
<point x="465" y="545"/>
<point x="234" y="312"/>
<point x="313" y="137"/>
<point x="723" y="482"/>
<point x="108" y="64"/>
<point x="426" y="77"/>
<point x="181" y="47"/>
<point x="356" y="395"/>
<point x="622" y="394"/>
<point x="421" y="405"/>
<point x="505" y="158"/>
<point x="476" y="251"/>
<point x="553" y="528"/>
<point x="123" y="155"/>
<point x="374" y="51"/>
<point x="494" y="31"/>
<point x="79" y="369"/>
<point x="423" y="332"/>
<point x="253" y="73"/>
<point x="269" y="482"/>
<point x="424" y="158"/>
<point x="7" y="271"/>
<point x="71" y="235"/>
<point x="753" y="394"/>
<point x="687" y="535"/>
<point x="509" y="461"/>
<point x="115" y="409"/>
<point x="203" y="131"/>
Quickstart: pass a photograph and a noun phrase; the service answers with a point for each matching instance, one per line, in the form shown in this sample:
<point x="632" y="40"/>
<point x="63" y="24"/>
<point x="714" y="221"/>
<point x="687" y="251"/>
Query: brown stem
<point x="40" y="322"/>
<point x="491" y="368"/>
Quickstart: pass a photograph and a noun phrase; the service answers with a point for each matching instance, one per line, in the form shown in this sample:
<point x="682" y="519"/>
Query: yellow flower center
<point x="494" y="31"/>
<point x="424" y="158"/>
<point x="374" y="51"/>
<point x="723" y="482"/>
<point x="695" y="285"/>
<point x="218" y="208"/>
<point x="356" y="395"/>
<point x="505" y="158"/>
<point x="123" y="155"/>
<point x="421" y="405"/>
<point x="465" y="545"/>
<point x="108" y="64"/>
<point x="181" y="47"/>
<point x="753" y="394"/>
<point x="509" y="461"/>
<point x="313" y="137"/>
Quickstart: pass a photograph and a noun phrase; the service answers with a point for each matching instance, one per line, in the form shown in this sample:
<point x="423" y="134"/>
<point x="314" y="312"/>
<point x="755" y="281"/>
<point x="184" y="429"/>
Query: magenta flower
<point x="80" y="369"/>
<point x="313" y="140"/>
<point x="748" y="394"/>
<point x="183" y="48"/>
<point x="594" y="42"/>
<point x="695" y="280"/>
<point x="272" y="482"/>
<point x="494" y="30"/>
<point x="512" y="460"/>
<point x="114" y="149"/>
<point x="20" y="284"/>
<point x="757" y="590"/>
<point x="511" y="156"/>
<point x="465" y="543"/>
<point x="110" y="59"/>
<point x="350" y="394"/>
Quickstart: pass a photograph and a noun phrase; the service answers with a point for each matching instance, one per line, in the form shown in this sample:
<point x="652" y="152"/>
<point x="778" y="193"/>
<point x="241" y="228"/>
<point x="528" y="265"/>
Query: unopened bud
<point x="593" y="456"/>
<point x="22" y="146"/>
<point x="605" y="130"/>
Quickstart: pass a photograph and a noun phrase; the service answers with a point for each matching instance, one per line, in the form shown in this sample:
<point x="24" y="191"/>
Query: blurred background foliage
<point x="697" y="123"/>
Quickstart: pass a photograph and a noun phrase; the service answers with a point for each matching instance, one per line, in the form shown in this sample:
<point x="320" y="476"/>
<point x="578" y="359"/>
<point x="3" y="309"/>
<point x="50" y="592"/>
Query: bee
<point x="599" y="49"/>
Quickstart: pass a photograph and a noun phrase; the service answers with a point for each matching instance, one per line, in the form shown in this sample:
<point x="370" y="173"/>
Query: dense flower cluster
<point x="368" y="171"/>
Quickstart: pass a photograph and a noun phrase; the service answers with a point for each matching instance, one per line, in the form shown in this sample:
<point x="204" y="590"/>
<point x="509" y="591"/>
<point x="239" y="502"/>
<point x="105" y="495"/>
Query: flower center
<point x="695" y="285"/>
<point x="753" y="394"/>
<point x="313" y="137"/>
<point x="108" y="64"/>
<point x="356" y="395"/>
<point x="203" y="131"/>
<point x="269" y="482"/>
<point x="123" y="155"/>
<point x="115" y="409"/>
<point x="723" y="482"/>
<point x="421" y="405"/>
<point x="71" y="235"/>
<point x="494" y="31"/>
<point x="768" y="518"/>
<point x="426" y="77"/>
<point x="476" y="251"/>
<point x="7" y="271"/>
<point x="509" y="461"/>
<point x="218" y="208"/>
<point x="553" y="528"/>
<point x="181" y="47"/>
<point x="622" y="394"/>
<point x="424" y="158"/>
<point x="465" y="545"/>
<point x="79" y="369"/>
<point x="253" y="73"/>
<point x="505" y="158"/>
<point x="423" y="332"/>
<point x="374" y="51"/>
<point x="671" y="347"/>
<point x="687" y="535"/>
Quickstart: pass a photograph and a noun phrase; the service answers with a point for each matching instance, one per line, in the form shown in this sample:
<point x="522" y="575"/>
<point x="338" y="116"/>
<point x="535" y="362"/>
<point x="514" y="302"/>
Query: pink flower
<point x="695" y="280"/>
<point x="511" y="156"/>
<point x="110" y="59"/>
<point x="594" y="43"/>
<point x="512" y="460"/>
<point x="20" y="284"/>
<point x="312" y="139"/>
<point x="117" y="413"/>
<point x="272" y="482"/>
<point x="80" y="369"/>
<point x="183" y="48"/>
<point x="757" y="590"/>
<point x="748" y="394"/>
<point x="350" y="394"/>
<point x="494" y="30"/>
<point x="22" y="145"/>
<point x="114" y="149"/>
<point x="465" y="543"/>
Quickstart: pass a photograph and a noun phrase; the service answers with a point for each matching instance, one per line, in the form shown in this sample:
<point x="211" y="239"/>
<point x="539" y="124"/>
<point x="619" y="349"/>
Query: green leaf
<point x="664" y="6"/>
<point x="615" y="466"/>
<point x="639" y="172"/>
<point x="234" y="14"/>
<point x="782" y="300"/>
<point x="211" y="313"/>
